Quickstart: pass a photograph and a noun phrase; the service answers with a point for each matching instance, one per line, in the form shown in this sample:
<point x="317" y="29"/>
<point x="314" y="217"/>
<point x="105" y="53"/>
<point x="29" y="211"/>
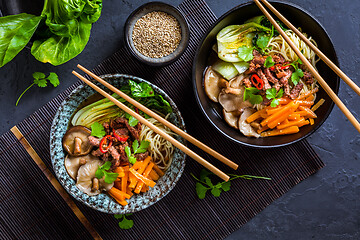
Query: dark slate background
<point x="325" y="206"/>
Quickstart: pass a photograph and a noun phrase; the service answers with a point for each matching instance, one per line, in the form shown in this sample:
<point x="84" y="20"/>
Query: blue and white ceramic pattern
<point x="103" y="202"/>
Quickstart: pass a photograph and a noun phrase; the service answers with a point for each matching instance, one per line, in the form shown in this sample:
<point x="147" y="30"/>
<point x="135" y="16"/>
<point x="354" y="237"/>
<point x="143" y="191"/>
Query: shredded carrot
<point x="261" y="129"/>
<point x="284" y="100"/>
<point x="311" y="121"/>
<point x="121" y="201"/>
<point x="145" y="174"/>
<point x="118" y="193"/>
<point x="145" y="188"/>
<point x="318" y="104"/>
<point x="120" y="171"/>
<point x="275" y="132"/>
<point x="137" y="165"/>
<point x="132" y="180"/>
<point x="128" y="191"/>
<point x="310" y="98"/>
<point x="302" y="113"/>
<point x="145" y="180"/>
<point x="311" y="114"/>
<point x="153" y="175"/>
<point x="304" y="103"/>
<point x="158" y="170"/>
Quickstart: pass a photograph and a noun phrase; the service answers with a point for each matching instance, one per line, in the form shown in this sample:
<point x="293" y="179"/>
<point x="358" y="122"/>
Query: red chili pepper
<point x="257" y="82"/>
<point x="104" y="141"/>
<point x="120" y="138"/>
<point x="279" y="66"/>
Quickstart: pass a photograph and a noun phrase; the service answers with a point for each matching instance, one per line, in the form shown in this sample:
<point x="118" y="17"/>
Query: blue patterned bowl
<point x="104" y="202"/>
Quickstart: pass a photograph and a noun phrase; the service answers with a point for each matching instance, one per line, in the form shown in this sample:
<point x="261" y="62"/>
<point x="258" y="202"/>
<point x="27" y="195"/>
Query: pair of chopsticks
<point x="328" y="62"/>
<point x="175" y="129"/>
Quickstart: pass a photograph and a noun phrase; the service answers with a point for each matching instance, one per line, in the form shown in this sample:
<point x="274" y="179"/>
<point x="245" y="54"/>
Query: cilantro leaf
<point x="262" y="42"/>
<point x="271" y="93"/>
<point x="99" y="173"/>
<point x="204" y="173"/>
<point x="201" y="190"/>
<point x="97" y="130"/>
<point x="269" y="62"/>
<point x="226" y="186"/>
<point x="38" y="75"/>
<point x="208" y="182"/>
<point x="106" y="165"/>
<point x="245" y="53"/>
<point x="124" y="223"/>
<point x="249" y="93"/>
<point x="295" y="76"/>
<point x="40" y="82"/>
<point x="135" y="146"/>
<point x="54" y="79"/>
<point x="110" y="177"/>
<point x="128" y="151"/>
<point x="143" y="146"/>
<point x="274" y="102"/>
<point x="132" y="159"/>
<point x="216" y="192"/>
<point x="280" y="93"/>
<point x="133" y="121"/>
<point x="274" y="95"/>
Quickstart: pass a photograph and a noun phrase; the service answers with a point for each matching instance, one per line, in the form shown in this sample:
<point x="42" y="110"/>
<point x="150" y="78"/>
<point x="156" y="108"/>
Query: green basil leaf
<point x="16" y="32"/>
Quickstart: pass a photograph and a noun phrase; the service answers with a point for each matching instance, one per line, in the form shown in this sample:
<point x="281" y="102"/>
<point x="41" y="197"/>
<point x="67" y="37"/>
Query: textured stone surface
<point x="325" y="206"/>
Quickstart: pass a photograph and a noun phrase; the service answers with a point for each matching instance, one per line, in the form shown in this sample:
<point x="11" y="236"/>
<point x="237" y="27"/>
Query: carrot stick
<point x="302" y="96"/>
<point x="255" y="115"/>
<point x="120" y="171"/>
<point x="140" y="171"/>
<point x="128" y="191"/>
<point x="310" y="98"/>
<point x="311" y="121"/>
<point x="124" y="179"/>
<point x="289" y="130"/>
<point x="294" y="116"/>
<point x="118" y="193"/>
<point x="145" y="188"/>
<point x="145" y="180"/>
<point x="304" y="103"/>
<point x="137" y="165"/>
<point x="284" y="100"/>
<point x="261" y="129"/>
<point x="311" y="114"/>
<point x="301" y="113"/>
<point x="279" y="113"/>
<point x="273" y="110"/>
<point x="282" y="117"/>
<point x="291" y="123"/>
<point x="132" y="180"/>
<point x="158" y="170"/>
<point x="153" y="175"/>
<point x="145" y="174"/>
<point x="318" y="104"/>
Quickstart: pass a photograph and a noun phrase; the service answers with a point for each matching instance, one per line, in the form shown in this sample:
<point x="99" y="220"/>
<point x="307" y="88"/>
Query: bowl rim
<point x="186" y="32"/>
<point x="109" y="210"/>
<point x="195" y="89"/>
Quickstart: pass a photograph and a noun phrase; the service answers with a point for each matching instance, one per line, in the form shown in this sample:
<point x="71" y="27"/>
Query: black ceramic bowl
<point x="299" y="18"/>
<point x="145" y="9"/>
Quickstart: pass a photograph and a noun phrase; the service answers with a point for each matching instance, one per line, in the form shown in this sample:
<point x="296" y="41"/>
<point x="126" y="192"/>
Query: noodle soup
<point x="262" y="86"/>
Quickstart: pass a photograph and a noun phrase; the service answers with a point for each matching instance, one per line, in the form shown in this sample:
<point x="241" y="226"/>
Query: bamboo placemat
<point x="32" y="208"/>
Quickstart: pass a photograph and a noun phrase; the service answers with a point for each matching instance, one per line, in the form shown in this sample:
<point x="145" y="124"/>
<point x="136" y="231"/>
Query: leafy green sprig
<point x="103" y="171"/>
<point x="298" y="73"/>
<point x="250" y="94"/>
<point x="204" y="183"/>
<point x="274" y="95"/>
<point x="41" y="80"/>
<point x="97" y="130"/>
<point x="136" y="149"/>
<point x="124" y="222"/>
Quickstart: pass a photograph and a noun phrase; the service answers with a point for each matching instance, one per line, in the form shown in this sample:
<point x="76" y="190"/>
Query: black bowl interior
<point x="299" y="18"/>
<point x="12" y="7"/>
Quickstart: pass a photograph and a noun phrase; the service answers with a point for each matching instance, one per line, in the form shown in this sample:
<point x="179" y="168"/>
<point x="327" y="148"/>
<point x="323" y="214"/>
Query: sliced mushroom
<point x="76" y="142"/>
<point x="233" y="102"/>
<point x="246" y="128"/>
<point x="212" y="84"/>
<point x="72" y="163"/>
<point x="232" y="118"/>
<point x="236" y="82"/>
<point x="85" y="177"/>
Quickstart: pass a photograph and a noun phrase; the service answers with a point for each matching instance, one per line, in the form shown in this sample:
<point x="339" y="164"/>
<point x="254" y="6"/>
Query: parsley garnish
<point x="102" y="171"/>
<point x="40" y="80"/>
<point x="124" y="223"/>
<point x="269" y="62"/>
<point x="97" y="130"/>
<point x="249" y="93"/>
<point x="245" y="53"/>
<point x="298" y="73"/>
<point x="204" y="183"/>
<point x="274" y="95"/>
<point x="136" y="149"/>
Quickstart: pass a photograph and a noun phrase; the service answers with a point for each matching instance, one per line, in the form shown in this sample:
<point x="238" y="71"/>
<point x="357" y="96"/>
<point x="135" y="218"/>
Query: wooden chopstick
<point x="55" y="183"/>
<point x="166" y="136"/>
<point x="328" y="62"/>
<point x="174" y="128"/>
<point x="313" y="71"/>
